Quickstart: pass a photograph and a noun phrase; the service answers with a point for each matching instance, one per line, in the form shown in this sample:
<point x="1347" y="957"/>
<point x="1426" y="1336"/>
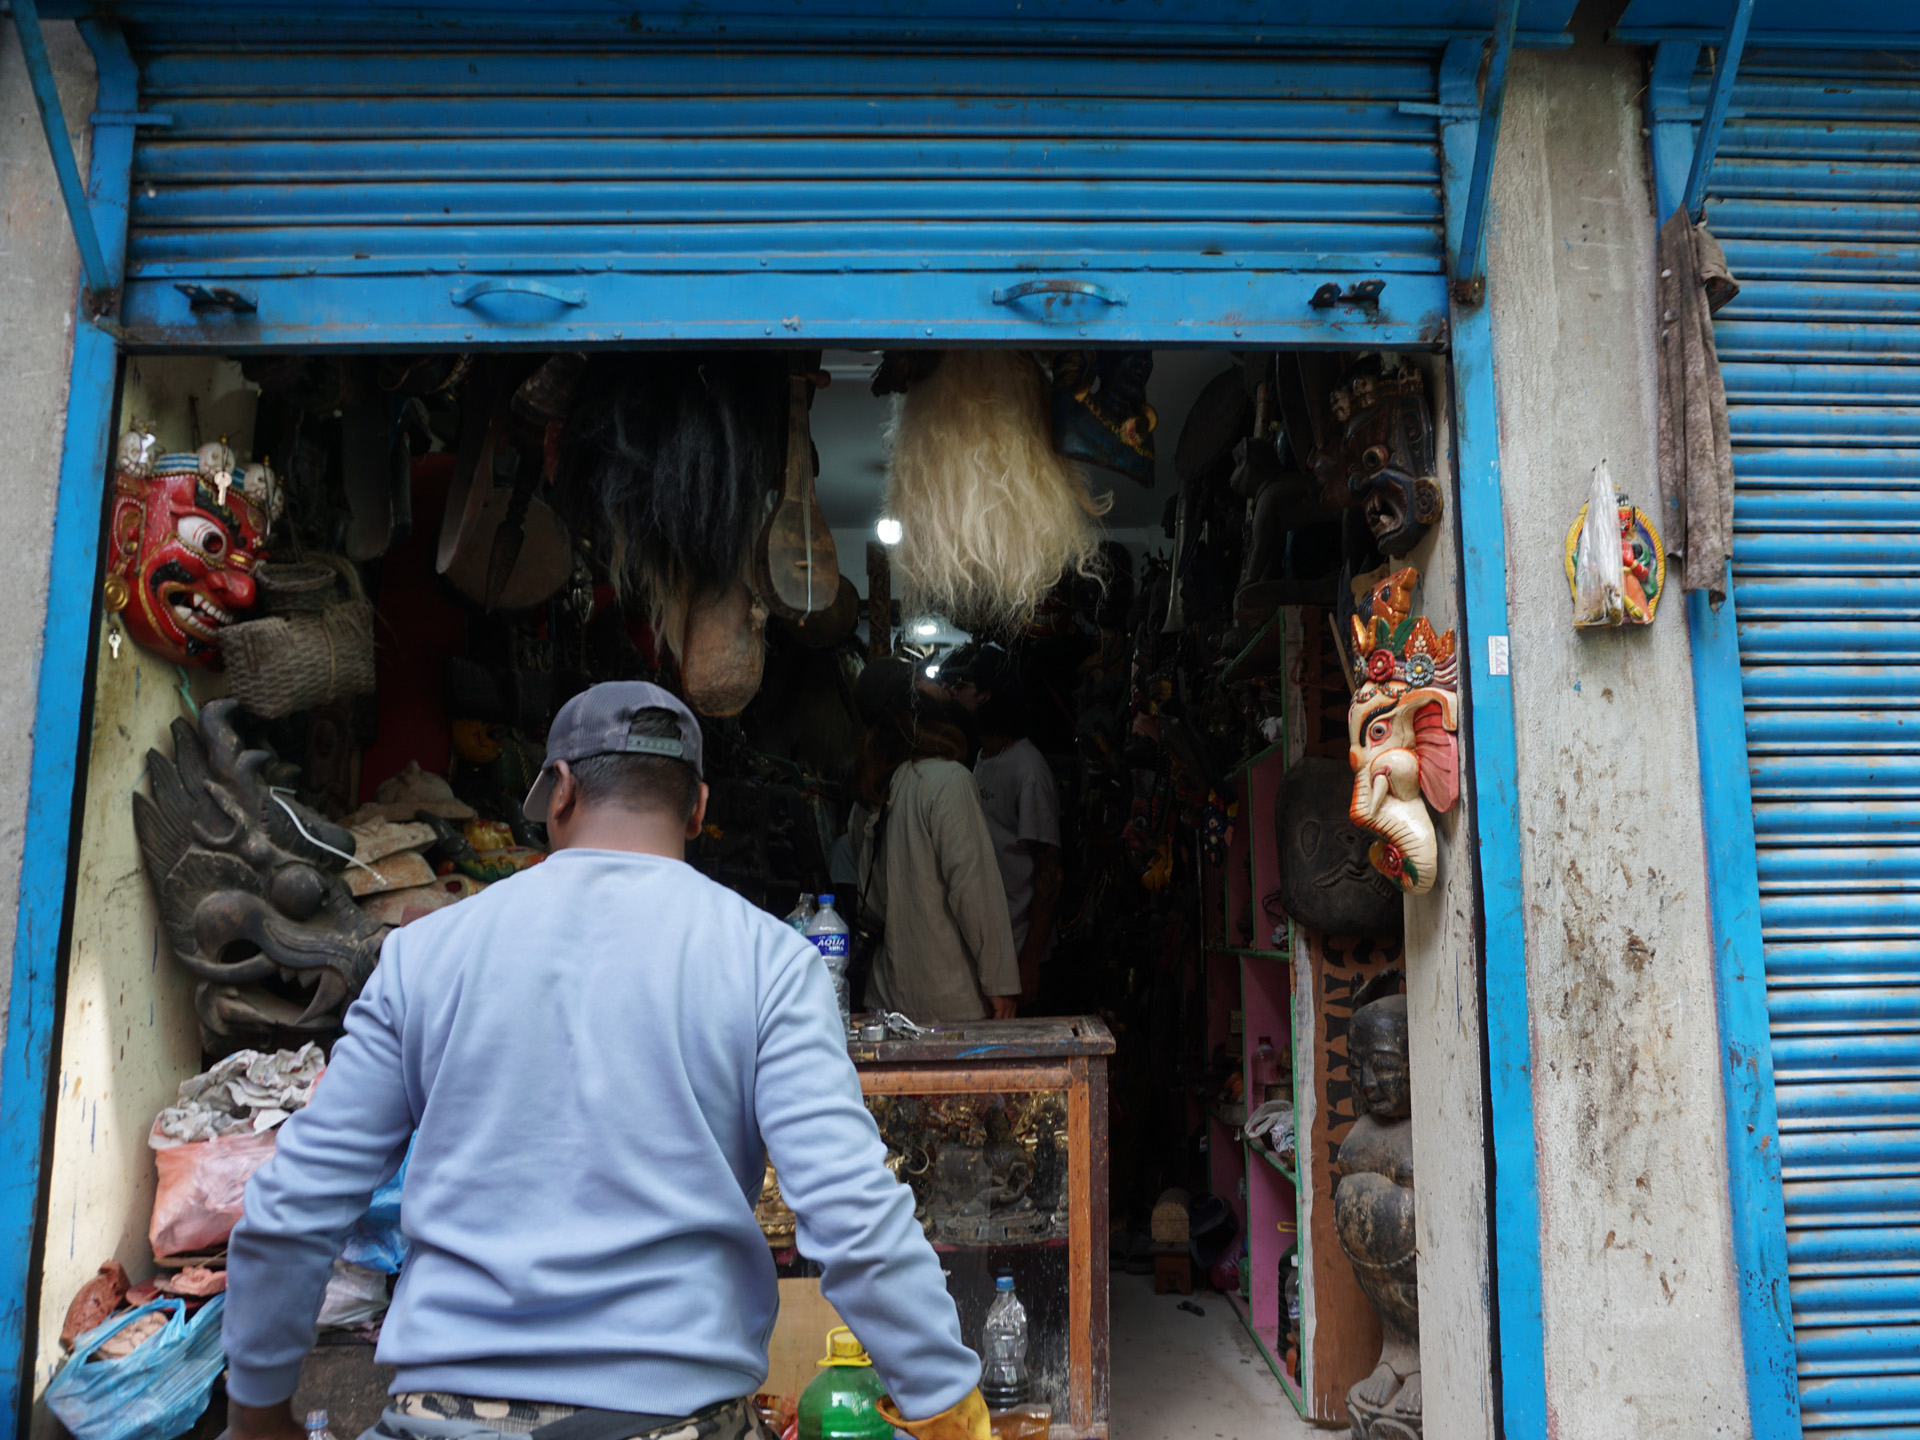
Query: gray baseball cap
<point x="599" y="721"/>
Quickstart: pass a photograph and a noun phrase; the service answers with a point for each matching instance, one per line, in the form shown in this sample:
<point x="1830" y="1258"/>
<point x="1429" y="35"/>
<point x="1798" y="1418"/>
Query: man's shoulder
<point x="935" y="774"/>
<point x="1020" y="763"/>
<point x="1024" y="752"/>
<point x="696" y="901"/>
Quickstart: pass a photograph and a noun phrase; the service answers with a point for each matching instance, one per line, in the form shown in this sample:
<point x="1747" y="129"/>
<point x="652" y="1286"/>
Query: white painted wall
<point x="39" y="280"/>
<point x="129" y="1034"/>
<point x="1642" y="1332"/>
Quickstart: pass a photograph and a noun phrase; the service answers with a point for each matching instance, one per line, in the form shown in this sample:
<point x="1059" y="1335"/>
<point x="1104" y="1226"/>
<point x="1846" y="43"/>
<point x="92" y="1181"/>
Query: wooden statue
<point x="1373" y="1214"/>
<point x="1382" y="455"/>
<point x="1327" y="880"/>
<point x="250" y="890"/>
<point x="879" y="603"/>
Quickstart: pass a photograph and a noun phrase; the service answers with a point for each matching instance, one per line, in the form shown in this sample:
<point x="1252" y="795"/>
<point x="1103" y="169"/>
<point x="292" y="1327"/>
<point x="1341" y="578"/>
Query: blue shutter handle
<point x="499" y="285"/>
<point x="1103" y="293"/>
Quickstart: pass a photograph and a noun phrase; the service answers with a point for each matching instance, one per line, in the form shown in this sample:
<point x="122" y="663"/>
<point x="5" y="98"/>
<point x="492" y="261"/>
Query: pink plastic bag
<point x="202" y="1182"/>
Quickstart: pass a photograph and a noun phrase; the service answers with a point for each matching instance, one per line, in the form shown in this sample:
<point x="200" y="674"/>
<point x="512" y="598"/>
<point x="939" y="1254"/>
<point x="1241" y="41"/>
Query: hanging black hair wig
<point x="669" y="457"/>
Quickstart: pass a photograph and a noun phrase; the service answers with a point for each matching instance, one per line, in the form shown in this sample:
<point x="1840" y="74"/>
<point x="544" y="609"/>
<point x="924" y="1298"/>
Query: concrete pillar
<point x="1642" y="1329"/>
<point x="39" y="284"/>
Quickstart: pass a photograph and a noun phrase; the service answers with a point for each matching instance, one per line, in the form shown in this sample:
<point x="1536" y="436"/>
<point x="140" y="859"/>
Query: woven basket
<point x="277" y="666"/>
<point x="296" y="589"/>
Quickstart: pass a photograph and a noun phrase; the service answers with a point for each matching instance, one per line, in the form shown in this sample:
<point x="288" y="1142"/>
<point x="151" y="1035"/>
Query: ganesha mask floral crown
<point x="1401" y="731"/>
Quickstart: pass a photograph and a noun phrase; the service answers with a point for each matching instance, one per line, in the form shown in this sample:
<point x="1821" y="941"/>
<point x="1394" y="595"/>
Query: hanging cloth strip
<point x="1695" y="450"/>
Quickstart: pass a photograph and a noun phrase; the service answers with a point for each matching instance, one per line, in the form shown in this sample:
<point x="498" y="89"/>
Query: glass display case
<point x="1000" y="1129"/>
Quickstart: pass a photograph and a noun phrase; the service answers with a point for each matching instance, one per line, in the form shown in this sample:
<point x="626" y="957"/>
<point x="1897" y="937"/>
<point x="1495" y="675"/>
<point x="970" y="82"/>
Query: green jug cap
<point x="844" y="1349"/>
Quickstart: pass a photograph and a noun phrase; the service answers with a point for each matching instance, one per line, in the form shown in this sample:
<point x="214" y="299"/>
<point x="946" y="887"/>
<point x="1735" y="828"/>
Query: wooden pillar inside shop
<point x="879" y="603"/>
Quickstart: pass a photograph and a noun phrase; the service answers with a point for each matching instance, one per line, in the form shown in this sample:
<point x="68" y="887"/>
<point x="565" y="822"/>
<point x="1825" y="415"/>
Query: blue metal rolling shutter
<point x="650" y="194"/>
<point x="1816" y="196"/>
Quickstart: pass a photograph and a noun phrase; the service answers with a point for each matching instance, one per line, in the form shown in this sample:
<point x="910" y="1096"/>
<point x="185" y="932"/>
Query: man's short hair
<point x="640" y="782"/>
<point x="1003" y="713"/>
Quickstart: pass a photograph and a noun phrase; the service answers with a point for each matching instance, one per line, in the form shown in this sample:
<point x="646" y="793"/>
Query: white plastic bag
<point x="1272" y="1125"/>
<point x="1599" y="578"/>
<point x="355" y="1295"/>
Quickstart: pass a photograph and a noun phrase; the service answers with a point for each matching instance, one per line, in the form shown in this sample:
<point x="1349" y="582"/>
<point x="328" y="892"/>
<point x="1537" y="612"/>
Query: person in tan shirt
<point x="929" y="872"/>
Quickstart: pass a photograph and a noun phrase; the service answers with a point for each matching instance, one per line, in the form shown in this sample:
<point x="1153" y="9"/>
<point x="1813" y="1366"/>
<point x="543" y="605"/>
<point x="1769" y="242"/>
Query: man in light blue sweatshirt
<point x="592" y="1061"/>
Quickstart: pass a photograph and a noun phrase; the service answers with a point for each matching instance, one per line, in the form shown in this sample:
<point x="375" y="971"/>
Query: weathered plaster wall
<point x="1444" y="1025"/>
<point x="39" y="278"/>
<point x="1642" y="1335"/>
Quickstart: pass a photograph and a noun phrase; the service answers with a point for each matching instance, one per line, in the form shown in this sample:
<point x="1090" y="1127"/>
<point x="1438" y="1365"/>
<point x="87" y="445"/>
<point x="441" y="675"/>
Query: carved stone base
<point x="1382" y="1422"/>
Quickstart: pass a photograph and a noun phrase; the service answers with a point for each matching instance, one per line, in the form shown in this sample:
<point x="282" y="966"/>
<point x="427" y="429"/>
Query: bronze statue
<point x="1373" y="1212"/>
<point x="250" y="890"/>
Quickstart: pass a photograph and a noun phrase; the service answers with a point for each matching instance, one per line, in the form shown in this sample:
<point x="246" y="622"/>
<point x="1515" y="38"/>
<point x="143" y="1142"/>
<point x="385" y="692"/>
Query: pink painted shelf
<point x="1249" y="969"/>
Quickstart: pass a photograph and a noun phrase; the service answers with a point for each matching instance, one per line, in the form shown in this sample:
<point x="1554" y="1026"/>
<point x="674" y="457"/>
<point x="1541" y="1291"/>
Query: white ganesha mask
<point x="1402" y="734"/>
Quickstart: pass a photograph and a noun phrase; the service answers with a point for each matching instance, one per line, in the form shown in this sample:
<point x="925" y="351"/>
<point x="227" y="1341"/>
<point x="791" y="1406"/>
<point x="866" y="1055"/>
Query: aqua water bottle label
<point x="831" y="944"/>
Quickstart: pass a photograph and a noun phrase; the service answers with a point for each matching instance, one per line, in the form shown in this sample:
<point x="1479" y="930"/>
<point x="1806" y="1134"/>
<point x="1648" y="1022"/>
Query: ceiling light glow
<point x="926" y="627"/>
<point x="888" y="530"/>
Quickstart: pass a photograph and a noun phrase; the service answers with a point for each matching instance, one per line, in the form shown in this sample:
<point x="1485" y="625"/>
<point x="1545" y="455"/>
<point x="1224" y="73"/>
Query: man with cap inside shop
<point x="592" y="1061"/>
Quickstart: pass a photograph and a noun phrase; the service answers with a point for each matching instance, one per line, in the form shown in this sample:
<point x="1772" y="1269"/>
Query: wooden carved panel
<point x="1346" y="1333"/>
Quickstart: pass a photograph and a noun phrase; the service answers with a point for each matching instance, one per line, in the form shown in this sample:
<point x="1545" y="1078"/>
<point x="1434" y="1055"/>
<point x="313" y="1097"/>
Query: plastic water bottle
<point x="801" y="913"/>
<point x="317" y="1426"/>
<point x="828" y="932"/>
<point x="1004" y="1381"/>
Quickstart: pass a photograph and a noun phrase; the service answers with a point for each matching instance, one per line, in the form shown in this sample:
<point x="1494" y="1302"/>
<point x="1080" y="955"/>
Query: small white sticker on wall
<point x="1496" y="654"/>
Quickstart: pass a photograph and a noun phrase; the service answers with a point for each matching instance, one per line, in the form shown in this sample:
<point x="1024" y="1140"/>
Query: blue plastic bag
<point x="157" y="1392"/>
<point x="375" y="1240"/>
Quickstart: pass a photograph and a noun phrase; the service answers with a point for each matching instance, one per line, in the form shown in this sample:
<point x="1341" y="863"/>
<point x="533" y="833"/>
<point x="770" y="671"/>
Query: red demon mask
<point x="186" y="532"/>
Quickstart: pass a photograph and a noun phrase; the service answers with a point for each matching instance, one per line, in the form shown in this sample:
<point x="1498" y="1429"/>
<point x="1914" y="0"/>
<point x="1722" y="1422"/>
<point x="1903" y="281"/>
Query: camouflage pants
<point x="435" y="1416"/>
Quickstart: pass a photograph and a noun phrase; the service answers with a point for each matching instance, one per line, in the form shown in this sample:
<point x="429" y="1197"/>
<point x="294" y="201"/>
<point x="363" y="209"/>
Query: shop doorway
<point x="1173" y="693"/>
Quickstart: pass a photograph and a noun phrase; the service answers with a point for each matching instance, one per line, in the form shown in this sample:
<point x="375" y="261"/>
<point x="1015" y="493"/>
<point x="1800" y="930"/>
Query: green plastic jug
<point x="839" y="1402"/>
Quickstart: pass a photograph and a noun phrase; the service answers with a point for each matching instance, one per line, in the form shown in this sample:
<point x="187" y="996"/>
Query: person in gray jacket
<point x="593" y="1062"/>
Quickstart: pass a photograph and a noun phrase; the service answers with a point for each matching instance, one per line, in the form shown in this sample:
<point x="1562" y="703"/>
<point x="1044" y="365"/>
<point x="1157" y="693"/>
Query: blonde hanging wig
<point x="992" y="518"/>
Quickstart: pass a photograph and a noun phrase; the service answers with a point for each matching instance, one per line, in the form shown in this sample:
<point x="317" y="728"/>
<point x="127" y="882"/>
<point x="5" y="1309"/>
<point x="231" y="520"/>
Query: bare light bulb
<point x="888" y="530"/>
